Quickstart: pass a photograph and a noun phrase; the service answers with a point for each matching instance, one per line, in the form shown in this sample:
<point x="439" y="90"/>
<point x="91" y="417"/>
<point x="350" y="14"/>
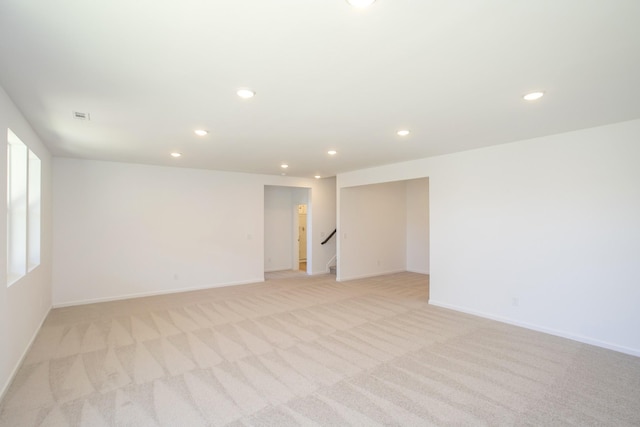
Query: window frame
<point x="24" y="219"/>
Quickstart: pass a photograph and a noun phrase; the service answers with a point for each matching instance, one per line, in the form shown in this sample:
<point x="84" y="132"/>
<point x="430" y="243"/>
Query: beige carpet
<point x="310" y="351"/>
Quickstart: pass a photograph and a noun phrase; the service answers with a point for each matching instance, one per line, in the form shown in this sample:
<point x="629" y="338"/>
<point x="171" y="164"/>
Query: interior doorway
<point x="302" y="237"/>
<point x="401" y="213"/>
<point x="287" y="229"/>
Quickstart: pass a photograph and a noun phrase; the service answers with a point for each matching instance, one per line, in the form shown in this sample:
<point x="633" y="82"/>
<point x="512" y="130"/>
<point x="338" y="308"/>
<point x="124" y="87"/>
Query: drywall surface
<point x="543" y="233"/>
<point x="372" y="230"/>
<point x="418" y="225"/>
<point x="23" y="305"/>
<point x="123" y="230"/>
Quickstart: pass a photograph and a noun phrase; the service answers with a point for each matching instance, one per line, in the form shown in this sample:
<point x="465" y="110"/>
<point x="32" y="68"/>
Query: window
<point x="23" y="209"/>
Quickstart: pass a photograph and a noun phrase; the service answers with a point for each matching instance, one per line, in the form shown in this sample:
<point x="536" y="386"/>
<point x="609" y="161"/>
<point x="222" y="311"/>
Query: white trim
<point x="284" y="268"/>
<point x="365" y="276"/>
<point x="150" y="294"/>
<point x="574" y="337"/>
<point x="13" y="373"/>
<point x="318" y="273"/>
<point x="418" y="271"/>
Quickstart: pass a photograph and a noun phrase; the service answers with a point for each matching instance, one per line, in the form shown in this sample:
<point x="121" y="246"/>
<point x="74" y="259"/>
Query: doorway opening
<point x="401" y="217"/>
<point x="302" y="237"/>
<point x="287" y="241"/>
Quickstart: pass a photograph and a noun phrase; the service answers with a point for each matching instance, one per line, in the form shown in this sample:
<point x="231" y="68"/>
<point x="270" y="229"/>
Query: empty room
<point x="319" y="213"/>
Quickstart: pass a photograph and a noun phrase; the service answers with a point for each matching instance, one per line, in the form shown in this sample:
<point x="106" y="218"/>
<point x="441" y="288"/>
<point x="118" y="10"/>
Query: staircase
<point x="331" y="265"/>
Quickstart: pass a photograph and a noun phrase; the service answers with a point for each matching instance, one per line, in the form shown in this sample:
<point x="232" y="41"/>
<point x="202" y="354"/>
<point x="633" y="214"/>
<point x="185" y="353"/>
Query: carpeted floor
<point x="310" y="351"/>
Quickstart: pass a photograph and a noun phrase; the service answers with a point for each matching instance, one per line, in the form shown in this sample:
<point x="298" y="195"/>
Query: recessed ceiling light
<point x="403" y="132"/>
<point x="533" y="96"/>
<point x="81" y="116"/>
<point x="245" y="93"/>
<point x="317" y="177"/>
<point x="284" y="166"/>
<point x="332" y="152"/>
<point x="360" y="3"/>
<point x="176" y="154"/>
<point x="201" y="132"/>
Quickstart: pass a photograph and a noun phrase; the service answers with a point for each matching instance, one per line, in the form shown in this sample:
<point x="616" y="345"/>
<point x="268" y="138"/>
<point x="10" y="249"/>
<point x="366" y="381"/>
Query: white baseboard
<point x="563" y="334"/>
<point x="6" y="385"/>
<point x="365" y="276"/>
<point x="154" y="293"/>
<point x="319" y="273"/>
<point x="274" y="269"/>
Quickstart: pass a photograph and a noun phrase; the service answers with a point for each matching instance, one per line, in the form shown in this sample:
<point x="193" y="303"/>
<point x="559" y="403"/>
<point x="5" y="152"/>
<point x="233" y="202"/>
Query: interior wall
<point x="25" y="304"/>
<point x="372" y="230"/>
<point x="541" y="233"/>
<point x="123" y="230"/>
<point x="418" y="225"/>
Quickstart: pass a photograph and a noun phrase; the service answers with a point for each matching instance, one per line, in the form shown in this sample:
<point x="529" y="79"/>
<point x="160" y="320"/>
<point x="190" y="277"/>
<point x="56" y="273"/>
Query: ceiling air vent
<point x="81" y="116"/>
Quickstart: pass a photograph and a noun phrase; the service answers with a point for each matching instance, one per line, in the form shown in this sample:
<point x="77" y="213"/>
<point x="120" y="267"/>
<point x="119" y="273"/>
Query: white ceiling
<point x="327" y="76"/>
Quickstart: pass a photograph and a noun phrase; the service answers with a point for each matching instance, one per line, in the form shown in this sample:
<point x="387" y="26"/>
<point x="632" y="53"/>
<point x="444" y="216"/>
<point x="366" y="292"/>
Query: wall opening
<point x="384" y="229"/>
<point x="301" y="235"/>
<point x="284" y="219"/>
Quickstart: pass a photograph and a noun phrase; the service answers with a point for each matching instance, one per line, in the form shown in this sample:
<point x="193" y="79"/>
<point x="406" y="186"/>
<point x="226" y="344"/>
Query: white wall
<point x="372" y="230"/>
<point x="543" y="233"/>
<point x="123" y="230"/>
<point x="24" y="305"/>
<point x="418" y="225"/>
